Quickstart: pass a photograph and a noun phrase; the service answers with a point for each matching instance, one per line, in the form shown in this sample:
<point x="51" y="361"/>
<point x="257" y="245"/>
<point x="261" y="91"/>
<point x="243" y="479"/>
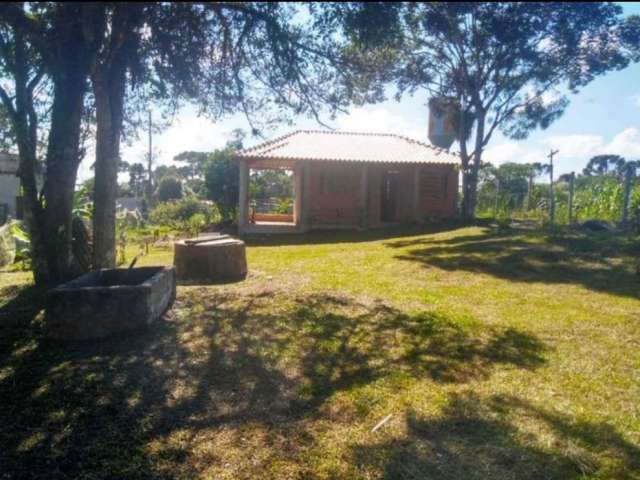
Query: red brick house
<point x="351" y="180"/>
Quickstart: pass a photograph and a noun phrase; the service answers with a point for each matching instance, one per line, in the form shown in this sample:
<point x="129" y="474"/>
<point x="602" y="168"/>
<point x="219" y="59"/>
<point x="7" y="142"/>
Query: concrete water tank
<point x="441" y="122"/>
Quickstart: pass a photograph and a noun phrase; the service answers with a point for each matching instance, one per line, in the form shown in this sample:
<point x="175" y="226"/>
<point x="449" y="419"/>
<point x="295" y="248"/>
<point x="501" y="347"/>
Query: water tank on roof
<point x="441" y="122"/>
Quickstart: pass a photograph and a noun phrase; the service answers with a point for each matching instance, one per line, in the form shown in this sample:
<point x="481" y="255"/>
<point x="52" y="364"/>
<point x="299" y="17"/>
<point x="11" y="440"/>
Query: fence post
<point x="495" y="209"/>
<point x="572" y="179"/>
<point x="552" y="198"/>
<point x="628" y="183"/>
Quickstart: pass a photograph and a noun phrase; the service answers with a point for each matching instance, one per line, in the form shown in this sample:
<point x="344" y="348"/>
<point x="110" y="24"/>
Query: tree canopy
<point x="505" y="66"/>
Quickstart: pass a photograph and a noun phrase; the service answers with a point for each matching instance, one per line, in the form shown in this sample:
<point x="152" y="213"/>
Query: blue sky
<point x="604" y="117"/>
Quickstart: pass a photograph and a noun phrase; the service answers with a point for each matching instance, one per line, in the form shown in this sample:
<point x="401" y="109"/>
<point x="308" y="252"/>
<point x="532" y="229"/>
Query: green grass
<point x="499" y="354"/>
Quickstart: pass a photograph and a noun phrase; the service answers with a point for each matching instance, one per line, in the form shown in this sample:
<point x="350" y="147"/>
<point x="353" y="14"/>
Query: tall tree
<point x="194" y="163"/>
<point x="248" y="57"/>
<point x="37" y="40"/>
<point x="115" y="35"/>
<point x="137" y="173"/>
<point x="507" y="66"/>
<point x="604" y="164"/>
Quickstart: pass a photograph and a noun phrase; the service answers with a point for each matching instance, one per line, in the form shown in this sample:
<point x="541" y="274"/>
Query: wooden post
<point x="417" y="211"/>
<point x="628" y="183"/>
<point x="364" y="196"/>
<point x="572" y="179"/>
<point x="243" y="197"/>
<point x="552" y="199"/>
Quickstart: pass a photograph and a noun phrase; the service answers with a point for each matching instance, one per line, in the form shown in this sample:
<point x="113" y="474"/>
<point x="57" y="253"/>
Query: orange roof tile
<point x="326" y="145"/>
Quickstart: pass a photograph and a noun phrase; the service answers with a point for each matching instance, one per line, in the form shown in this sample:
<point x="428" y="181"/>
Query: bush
<point x="170" y="188"/>
<point x="178" y="214"/>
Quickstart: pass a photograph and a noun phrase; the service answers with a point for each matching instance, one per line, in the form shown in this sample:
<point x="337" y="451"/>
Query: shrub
<point x="178" y="213"/>
<point x="285" y="206"/>
<point x="170" y="188"/>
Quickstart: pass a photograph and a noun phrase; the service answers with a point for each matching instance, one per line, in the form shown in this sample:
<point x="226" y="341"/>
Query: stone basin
<point x="210" y="259"/>
<point x="106" y="302"/>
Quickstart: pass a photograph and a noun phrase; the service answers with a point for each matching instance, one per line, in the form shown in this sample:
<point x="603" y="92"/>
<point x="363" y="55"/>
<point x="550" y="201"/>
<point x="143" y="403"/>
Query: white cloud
<point x="188" y="132"/>
<point x="626" y="144"/>
<point x="380" y="120"/>
<point x="574" y="146"/>
<point x="574" y="150"/>
<point x="511" y="152"/>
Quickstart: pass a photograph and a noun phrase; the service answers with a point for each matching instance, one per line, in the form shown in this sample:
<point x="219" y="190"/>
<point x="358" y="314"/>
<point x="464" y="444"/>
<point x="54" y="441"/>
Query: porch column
<point x="417" y="208"/>
<point x="305" y="208"/>
<point x="243" y="200"/>
<point x="363" y="201"/>
<point x="297" y="187"/>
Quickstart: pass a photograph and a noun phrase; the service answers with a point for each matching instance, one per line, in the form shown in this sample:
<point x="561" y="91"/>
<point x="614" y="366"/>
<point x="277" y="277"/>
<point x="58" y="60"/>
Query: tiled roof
<point x="325" y="145"/>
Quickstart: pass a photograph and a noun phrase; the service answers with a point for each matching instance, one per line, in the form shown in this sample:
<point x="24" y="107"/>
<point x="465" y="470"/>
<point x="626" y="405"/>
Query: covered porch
<point x="351" y="195"/>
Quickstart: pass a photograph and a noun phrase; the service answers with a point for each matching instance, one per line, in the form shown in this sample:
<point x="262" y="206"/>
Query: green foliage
<point x="271" y="184"/>
<point x="605" y="164"/>
<point x="22" y="239"/>
<point x="82" y="203"/>
<point x="221" y="179"/>
<point x="196" y="223"/>
<point x="194" y="161"/>
<point x="505" y="187"/>
<point x="170" y="188"/>
<point x="137" y="179"/>
<point x="596" y="197"/>
<point x="284" y="205"/>
<point x="178" y="214"/>
<point x="493" y="60"/>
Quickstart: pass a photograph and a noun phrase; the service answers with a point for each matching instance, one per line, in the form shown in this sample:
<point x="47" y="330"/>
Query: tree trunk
<point x="25" y="125"/>
<point x="66" y="56"/>
<point x="62" y="168"/>
<point x="472" y="169"/>
<point x="109" y="79"/>
<point x="109" y="95"/>
<point x="469" y="188"/>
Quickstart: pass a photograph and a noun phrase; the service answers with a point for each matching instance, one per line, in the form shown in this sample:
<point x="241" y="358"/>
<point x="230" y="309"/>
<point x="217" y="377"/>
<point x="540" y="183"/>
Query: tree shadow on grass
<point x="601" y="262"/>
<point x="231" y="383"/>
<point x="320" y="237"/>
<point x="500" y="437"/>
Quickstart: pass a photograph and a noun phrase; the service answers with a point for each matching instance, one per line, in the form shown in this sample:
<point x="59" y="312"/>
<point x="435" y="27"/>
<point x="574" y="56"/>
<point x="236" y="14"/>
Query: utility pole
<point x="149" y="165"/>
<point x="552" y="200"/>
<point x="572" y="179"/>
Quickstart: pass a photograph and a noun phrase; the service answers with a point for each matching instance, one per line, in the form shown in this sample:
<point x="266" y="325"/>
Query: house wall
<point x="328" y="207"/>
<point x="438" y="191"/>
<point x="9" y="183"/>
<point x="334" y="194"/>
<point x="9" y="190"/>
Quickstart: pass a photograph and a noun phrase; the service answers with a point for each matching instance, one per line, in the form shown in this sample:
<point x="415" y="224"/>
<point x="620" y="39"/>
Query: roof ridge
<point x="244" y="151"/>
<point x="268" y="146"/>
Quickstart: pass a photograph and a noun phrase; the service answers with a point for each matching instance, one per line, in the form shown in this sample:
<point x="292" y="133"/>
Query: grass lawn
<point x="497" y="355"/>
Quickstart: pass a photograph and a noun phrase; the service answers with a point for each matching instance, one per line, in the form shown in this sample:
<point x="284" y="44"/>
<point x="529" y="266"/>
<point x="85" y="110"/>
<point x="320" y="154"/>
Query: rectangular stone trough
<point x="106" y="302"/>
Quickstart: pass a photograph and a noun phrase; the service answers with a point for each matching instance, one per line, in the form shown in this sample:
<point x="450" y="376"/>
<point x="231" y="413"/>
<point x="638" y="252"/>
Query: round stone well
<point x="210" y="259"/>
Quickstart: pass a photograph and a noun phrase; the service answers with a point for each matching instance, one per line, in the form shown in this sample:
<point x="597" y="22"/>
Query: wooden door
<point x="389" y="196"/>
